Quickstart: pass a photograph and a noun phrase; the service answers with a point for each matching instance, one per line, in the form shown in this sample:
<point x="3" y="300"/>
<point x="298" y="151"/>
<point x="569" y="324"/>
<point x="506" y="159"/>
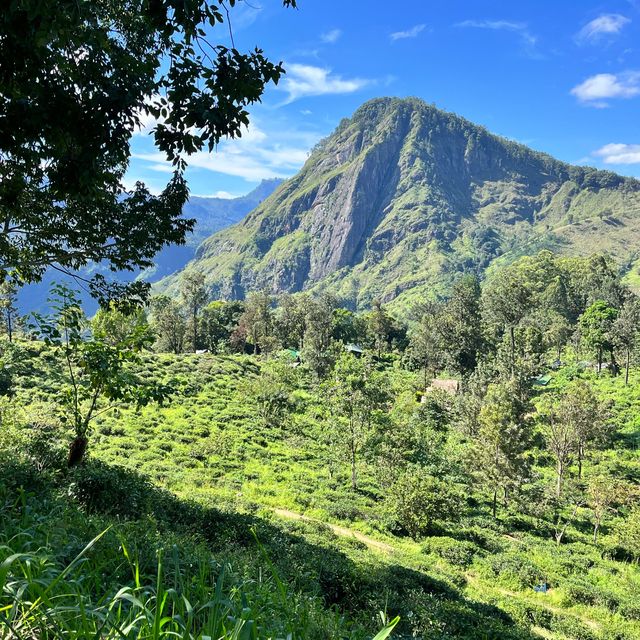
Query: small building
<point x="449" y="386"/>
<point x="542" y="381"/>
<point x="357" y="350"/>
<point x="294" y="356"/>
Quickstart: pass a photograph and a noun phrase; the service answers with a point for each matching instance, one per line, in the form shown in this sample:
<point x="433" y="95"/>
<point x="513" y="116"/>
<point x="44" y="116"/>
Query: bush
<point x="457" y="552"/>
<point x="111" y="490"/>
<point x="516" y="570"/>
<point x="417" y="500"/>
<point x="344" y="508"/>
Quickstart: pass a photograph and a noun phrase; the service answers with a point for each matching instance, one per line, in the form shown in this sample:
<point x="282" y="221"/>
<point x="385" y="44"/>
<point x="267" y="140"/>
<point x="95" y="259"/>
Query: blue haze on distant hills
<point x="211" y="215"/>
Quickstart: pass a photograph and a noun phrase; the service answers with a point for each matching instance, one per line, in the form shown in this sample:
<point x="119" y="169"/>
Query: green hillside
<point x="401" y="198"/>
<point x="195" y="478"/>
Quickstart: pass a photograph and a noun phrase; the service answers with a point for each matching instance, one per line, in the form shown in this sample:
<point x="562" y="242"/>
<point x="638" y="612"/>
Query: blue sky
<point x="561" y="76"/>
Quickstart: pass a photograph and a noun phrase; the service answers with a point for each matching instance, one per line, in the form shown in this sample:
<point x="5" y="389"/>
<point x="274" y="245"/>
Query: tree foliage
<point x="77" y="79"/>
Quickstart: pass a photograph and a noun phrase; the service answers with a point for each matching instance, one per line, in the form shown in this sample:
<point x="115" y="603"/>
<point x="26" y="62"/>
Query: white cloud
<point x="255" y="156"/>
<point x="331" y="36"/>
<point x="521" y="29"/>
<point x="223" y="195"/>
<point x="619" y="153"/>
<point x="595" y="90"/>
<point x="608" y="24"/>
<point x="304" y="80"/>
<point x="409" y="33"/>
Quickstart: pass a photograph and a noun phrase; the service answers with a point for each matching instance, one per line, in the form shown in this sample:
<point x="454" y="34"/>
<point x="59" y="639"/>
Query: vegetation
<point x="301" y="480"/>
<point x="418" y="225"/>
<point x="106" y="66"/>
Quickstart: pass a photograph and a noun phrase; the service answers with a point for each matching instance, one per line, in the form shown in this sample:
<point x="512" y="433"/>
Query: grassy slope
<point x="207" y="447"/>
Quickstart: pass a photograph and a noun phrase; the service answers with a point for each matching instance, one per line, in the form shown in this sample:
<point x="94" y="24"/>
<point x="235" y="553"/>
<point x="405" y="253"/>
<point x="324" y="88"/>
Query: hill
<point x="211" y="215"/>
<point x="215" y="470"/>
<point x="402" y="197"/>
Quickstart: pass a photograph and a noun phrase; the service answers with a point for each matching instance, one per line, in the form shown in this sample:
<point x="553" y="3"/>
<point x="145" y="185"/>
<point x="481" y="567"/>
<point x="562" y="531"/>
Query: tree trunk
<point x="559" y="474"/>
<point x="77" y="450"/>
<point x="512" y="334"/>
<point x="580" y="458"/>
<point x="596" y="527"/>
<point x="599" y="360"/>
<point x="354" y="479"/>
<point x="495" y="502"/>
<point x="426" y="372"/>
<point x="9" y="326"/>
<point x="626" y="372"/>
<point x="195" y="331"/>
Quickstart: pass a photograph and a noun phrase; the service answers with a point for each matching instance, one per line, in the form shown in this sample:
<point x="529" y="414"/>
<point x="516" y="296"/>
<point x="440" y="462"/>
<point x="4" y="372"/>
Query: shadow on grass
<point x="428" y="607"/>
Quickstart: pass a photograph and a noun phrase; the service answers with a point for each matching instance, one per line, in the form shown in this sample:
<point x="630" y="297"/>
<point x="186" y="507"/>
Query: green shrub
<point x="115" y="491"/>
<point x="583" y="592"/>
<point x="457" y="552"/>
<point x="515" y="569"/>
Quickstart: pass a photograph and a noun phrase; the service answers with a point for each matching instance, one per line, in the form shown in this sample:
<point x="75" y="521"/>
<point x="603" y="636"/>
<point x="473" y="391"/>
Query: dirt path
<point x="592" y="624"/>
<point x="339" y="531"/>
<point x="387" y="548"/>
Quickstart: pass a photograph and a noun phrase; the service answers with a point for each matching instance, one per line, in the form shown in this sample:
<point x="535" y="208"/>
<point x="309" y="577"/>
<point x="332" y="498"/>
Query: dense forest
<point x="471" y="468"/>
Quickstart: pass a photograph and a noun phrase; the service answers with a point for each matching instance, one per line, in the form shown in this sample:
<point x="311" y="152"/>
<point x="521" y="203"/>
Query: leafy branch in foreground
<point x="77" y="80"/>
<point x="95" y="364"/>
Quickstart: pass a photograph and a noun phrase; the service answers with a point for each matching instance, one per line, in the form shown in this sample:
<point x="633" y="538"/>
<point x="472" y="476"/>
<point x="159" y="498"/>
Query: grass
<point x="205" y="472"/>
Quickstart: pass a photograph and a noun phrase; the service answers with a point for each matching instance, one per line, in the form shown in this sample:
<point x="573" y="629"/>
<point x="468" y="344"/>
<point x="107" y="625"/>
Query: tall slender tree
<point x="501" y="442"/>
<point x="626" y="329"/>
<point x="193" y="293"/>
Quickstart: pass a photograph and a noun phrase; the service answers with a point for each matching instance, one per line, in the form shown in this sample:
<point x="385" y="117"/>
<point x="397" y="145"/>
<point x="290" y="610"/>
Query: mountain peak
<point x="403" y="196"/>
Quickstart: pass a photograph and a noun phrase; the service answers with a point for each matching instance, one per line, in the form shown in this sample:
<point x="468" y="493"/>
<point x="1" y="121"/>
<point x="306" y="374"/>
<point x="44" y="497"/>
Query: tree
<point x="425" y="350"/>
<point x="169" y="324"/>
<point x="604" y="494"/>
<point x="348" y="327"/>
<point x="501" y="443"/>
<point x="356" y="394"/>
<point x="582" y="409"/>
<point x="596" y="325"/>
<point x="625" y="331"/>
<point x="459" y="325"/>
<point x="76" y="81"/>
<point x="417" y="500"/>
<point x="318" y="350"/>
<point x="113" y="325"/>
<point x="557" y="332"/>
<point x="257" y="321"/>
<point x="193" y="293"/>
<point x="95" y="369"/>
<point x="561" y="440"/>
<point x="574" y="422"/>
<point x="291" y="319"/>
<point x="507" y="299"/>
<point x="218" y="321"/>
<point x="8" y="301"/>
<point x="270" y="392"/>
<point x="380" y="325"/>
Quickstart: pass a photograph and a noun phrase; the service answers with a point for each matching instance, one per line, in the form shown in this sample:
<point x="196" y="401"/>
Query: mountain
<point x="402" y="197"/>
<point x="211" y="215"/>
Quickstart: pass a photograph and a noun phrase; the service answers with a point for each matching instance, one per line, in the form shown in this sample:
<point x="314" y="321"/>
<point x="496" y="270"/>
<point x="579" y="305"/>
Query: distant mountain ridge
<point x="211" y="215"/>
<point x="402" y="197"/>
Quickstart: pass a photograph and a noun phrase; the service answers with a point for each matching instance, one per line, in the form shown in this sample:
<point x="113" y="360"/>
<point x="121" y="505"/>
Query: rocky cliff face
<point x="401" y="198"/>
